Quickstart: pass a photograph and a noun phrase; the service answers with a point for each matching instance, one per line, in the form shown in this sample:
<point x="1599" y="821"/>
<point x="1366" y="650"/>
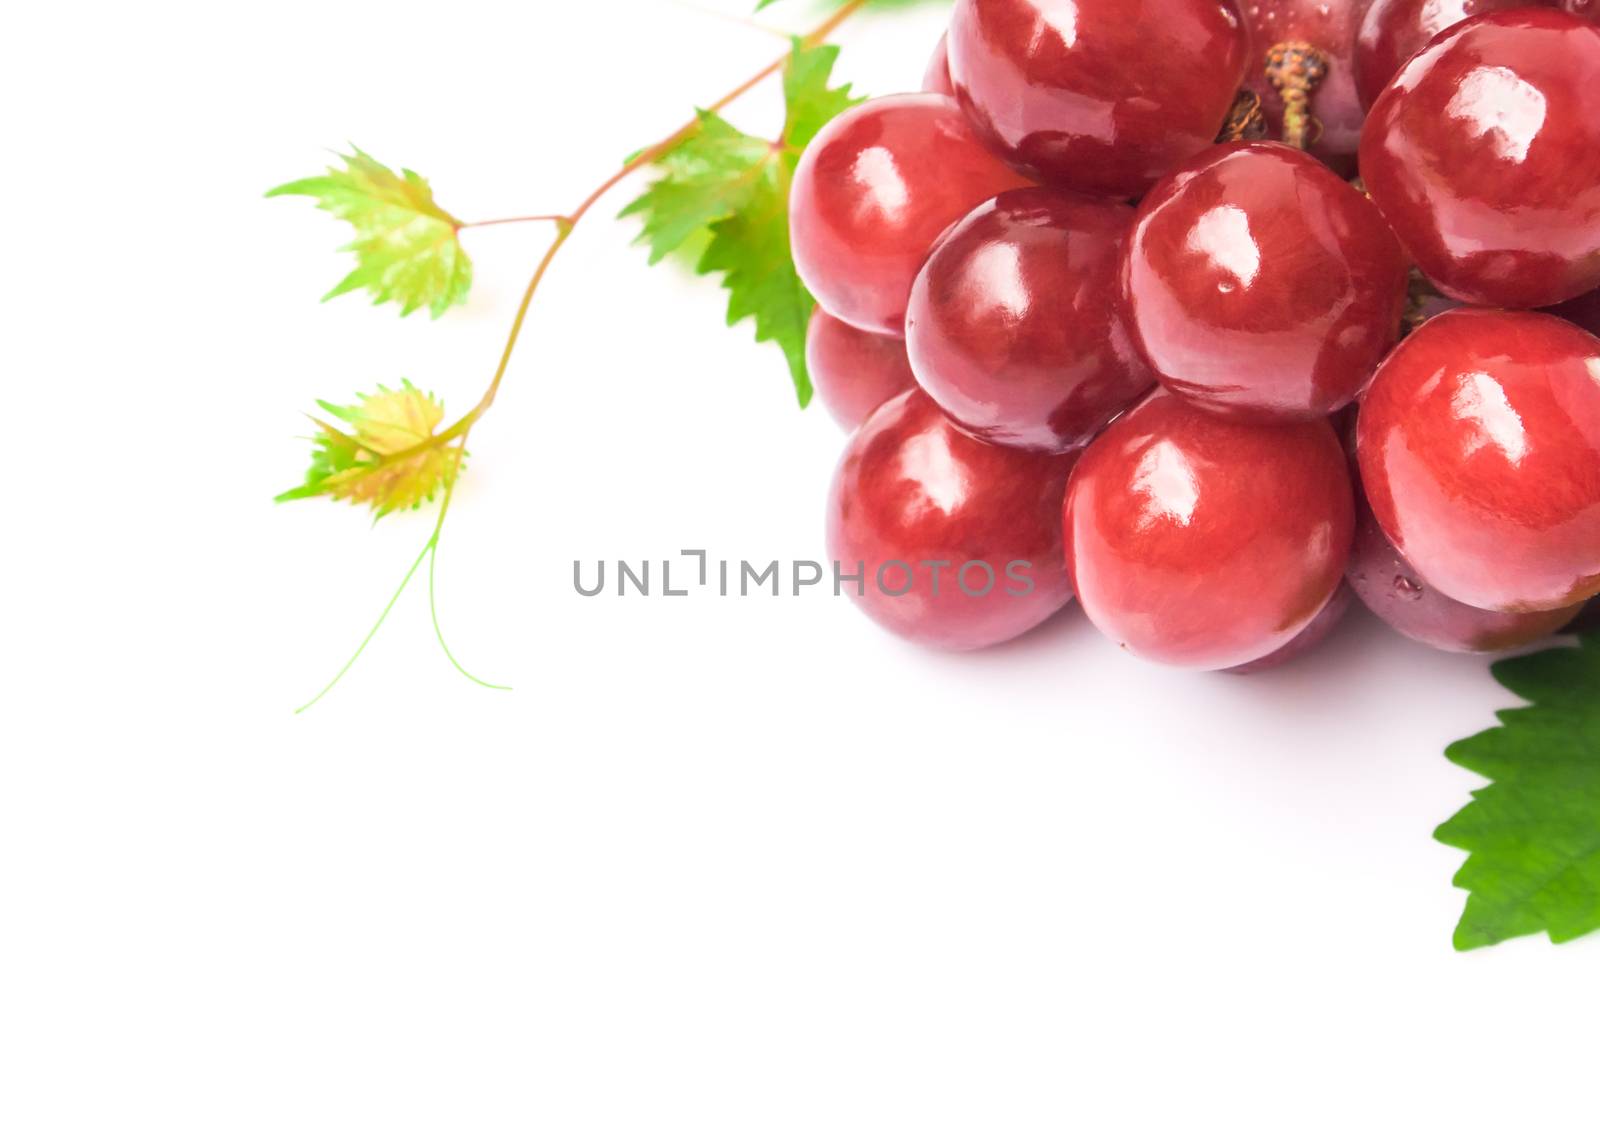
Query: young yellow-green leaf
<point x="1534" y="834"/>
<point x="406" y="246"/>
<point x="368" y="464"/>
<point x="736" y="187"/>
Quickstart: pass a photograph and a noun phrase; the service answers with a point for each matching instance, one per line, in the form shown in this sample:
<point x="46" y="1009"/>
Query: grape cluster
<point x="1217" y="317"/>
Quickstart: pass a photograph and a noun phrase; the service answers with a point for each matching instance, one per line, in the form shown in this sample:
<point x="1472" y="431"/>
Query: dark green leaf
<point x="1534" y="834"/>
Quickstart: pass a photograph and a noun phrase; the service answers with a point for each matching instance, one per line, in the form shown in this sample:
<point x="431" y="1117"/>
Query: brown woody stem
<point x="1246" y="120"/>
<point x="1295" y="68"/>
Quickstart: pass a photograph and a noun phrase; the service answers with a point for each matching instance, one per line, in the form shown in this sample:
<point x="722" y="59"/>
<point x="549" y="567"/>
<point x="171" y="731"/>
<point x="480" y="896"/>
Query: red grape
<point x="1393" y="590"/>
<point x="1479" y="444"/>
<point x="915" y="490"/>
<point x="1329" y="28"/>
<point x="937" y="78"/>
<point x="1098" y="96"/>
<point x="1014" y="327"/>
<point x="854" y="372"/>
<point x="1262" y="285"/>
<point x="1203" y="542"/>
<point x="1586" y="9"/>
<point x="1322" y="627"/>
<point x="1395" y="30"/>
<point x="873" y="191"/>
<point x="1484" y="155"/>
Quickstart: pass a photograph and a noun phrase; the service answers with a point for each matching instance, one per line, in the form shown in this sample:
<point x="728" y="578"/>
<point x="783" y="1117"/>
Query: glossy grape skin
<point x="1389" y="587"/>
<point x="854" y="372"/>
<point x="1206" y="543"/>
<point x="873" y="191"/>
<point x="1261" y="285"/>
<point x="1330" y="27"/>
<point x="1479" y="444"/>
<point x="1583" y="9"/>
<point x="1322" y="627"/>
<point x="1097" y="96"/>
<point x="913" y="488"/>
<point x="1014" y="328"/>
<point x="1395" y="30"/>
<point x="1484" y="156"/>
<point x="937" y="77"/>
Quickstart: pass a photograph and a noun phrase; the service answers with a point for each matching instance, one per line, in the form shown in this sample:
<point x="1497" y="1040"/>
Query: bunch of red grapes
<point x="1215" y="317"/>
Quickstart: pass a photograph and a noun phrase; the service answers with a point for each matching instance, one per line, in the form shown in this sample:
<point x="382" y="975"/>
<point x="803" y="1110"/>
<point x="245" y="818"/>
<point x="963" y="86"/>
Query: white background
<point x="717" y="872"/>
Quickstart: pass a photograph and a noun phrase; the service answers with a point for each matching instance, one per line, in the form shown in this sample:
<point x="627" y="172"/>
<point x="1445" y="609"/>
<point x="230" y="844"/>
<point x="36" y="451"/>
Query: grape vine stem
<point x="459" y="430"/>
<point x="566" y="224"/>
<point x="512" y="219"/>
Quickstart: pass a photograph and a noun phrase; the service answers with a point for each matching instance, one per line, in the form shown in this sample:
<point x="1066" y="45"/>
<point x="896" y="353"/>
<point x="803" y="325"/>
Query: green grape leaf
<point x="406" y="246"/>
<point x="1534" y="833"/>
<point x="809" y="102"/>
<point x="735" y="187"/>
<point x="710" y="176"/>
<point x="376" y="462"/>
<point x="751" y="249"/>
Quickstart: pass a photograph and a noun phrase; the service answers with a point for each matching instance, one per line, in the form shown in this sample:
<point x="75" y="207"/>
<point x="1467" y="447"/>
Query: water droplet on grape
<point x="1407" y="588"/>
